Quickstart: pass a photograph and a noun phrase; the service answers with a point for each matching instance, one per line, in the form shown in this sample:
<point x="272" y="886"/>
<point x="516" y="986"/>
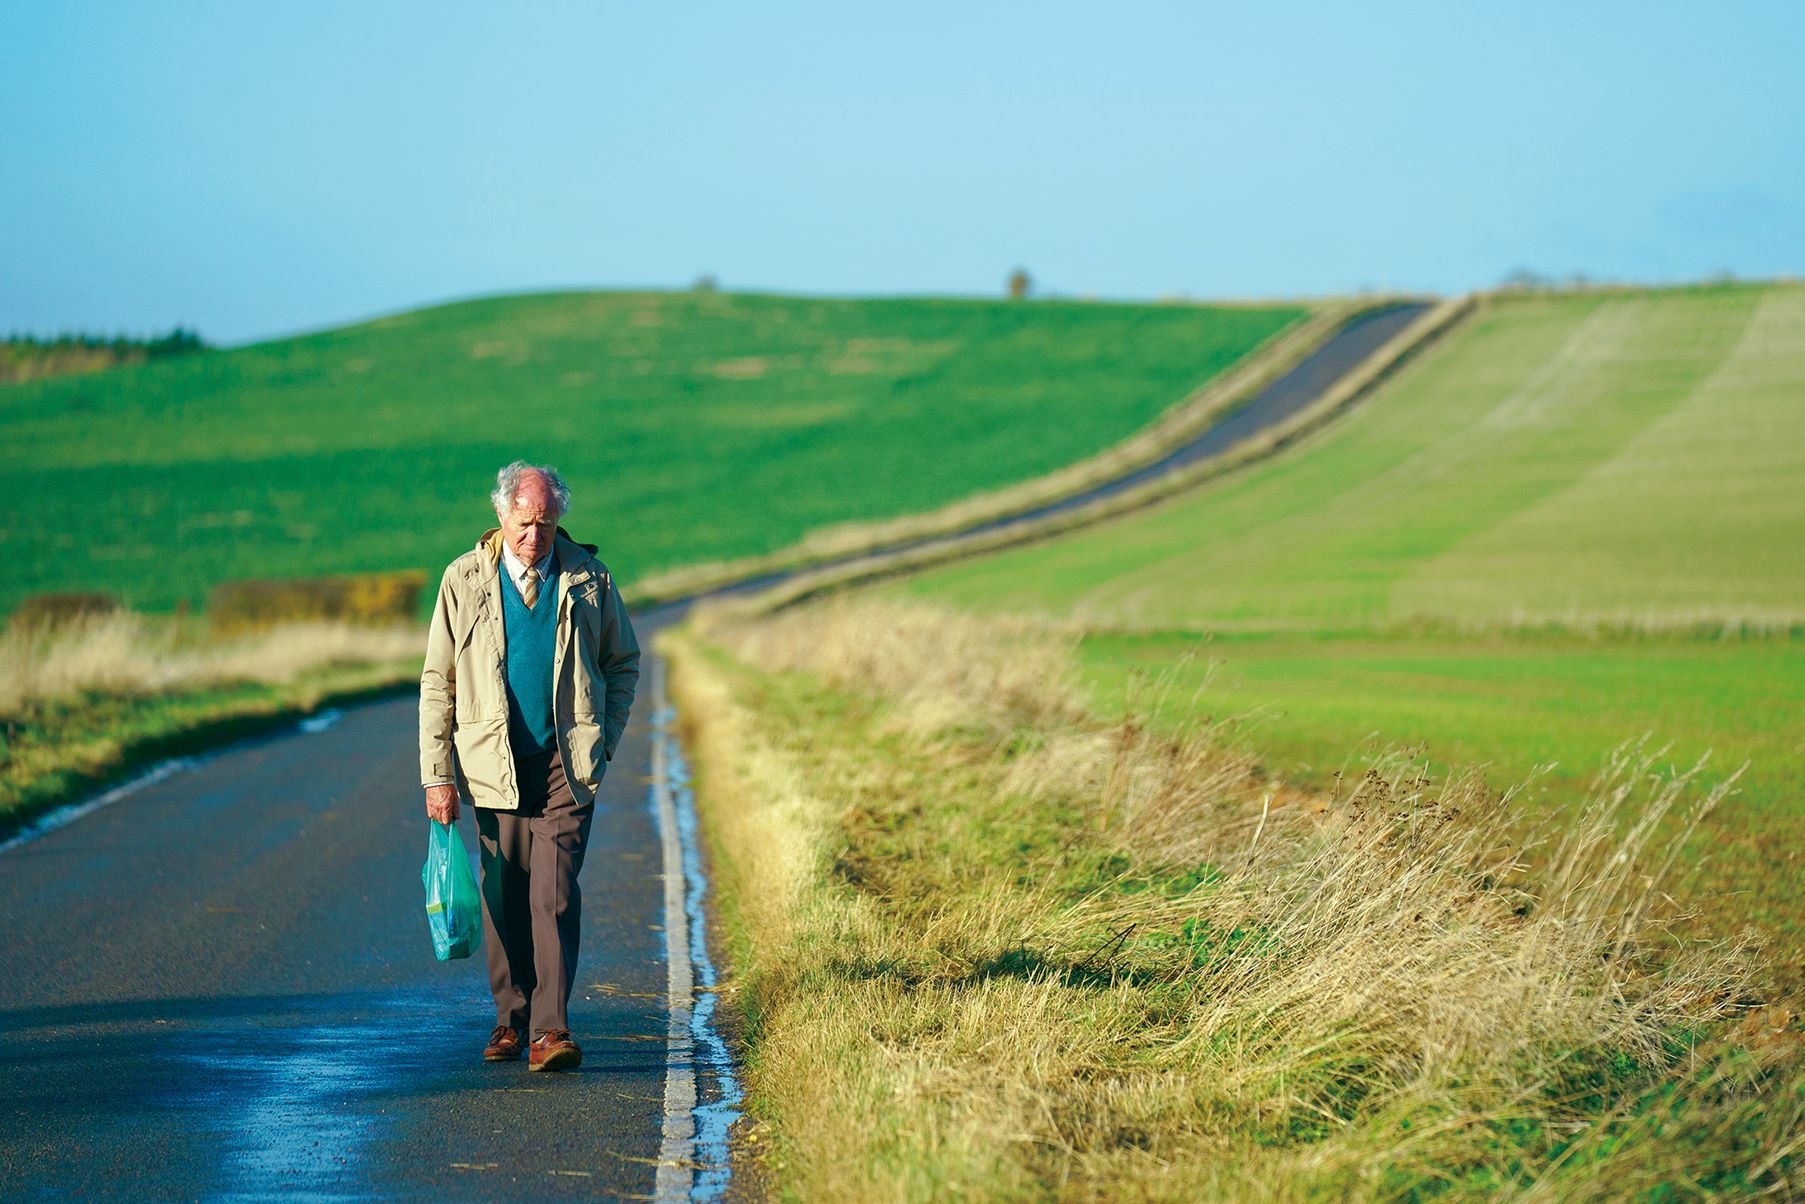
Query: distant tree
<point x="705" y="283"/>
<point x="1019" y="284"/>
<point x="179" y="341"/>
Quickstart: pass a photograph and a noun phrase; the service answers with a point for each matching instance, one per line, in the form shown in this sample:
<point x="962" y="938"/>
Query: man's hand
<point x="442" y="803"/>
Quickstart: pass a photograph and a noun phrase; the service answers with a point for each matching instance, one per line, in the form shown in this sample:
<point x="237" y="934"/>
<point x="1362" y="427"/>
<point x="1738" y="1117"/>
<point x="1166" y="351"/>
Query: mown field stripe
<point x="1704" y="488"/>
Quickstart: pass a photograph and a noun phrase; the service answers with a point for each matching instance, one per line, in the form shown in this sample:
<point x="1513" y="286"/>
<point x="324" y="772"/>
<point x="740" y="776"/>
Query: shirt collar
<point x="517" y="566"/>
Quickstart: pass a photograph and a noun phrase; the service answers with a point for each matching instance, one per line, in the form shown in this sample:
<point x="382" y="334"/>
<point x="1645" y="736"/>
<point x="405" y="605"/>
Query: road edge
<point x="676" y="1151"/>
<point x="204" y="738"/>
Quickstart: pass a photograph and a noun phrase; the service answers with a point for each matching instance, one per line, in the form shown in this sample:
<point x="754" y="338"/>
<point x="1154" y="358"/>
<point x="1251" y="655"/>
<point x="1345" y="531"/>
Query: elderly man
<point x="531" y="665"/>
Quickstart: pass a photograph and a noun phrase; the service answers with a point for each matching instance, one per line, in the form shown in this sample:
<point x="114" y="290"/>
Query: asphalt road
<point x="221" y="985"/>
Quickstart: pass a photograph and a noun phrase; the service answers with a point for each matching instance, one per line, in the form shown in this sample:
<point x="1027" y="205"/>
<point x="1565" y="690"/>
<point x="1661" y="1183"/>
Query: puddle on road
<point x="288" y="1100"/>
<point x="325" y="721"/>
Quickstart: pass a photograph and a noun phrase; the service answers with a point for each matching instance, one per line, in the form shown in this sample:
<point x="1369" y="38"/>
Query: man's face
<point x="530" y="524"/>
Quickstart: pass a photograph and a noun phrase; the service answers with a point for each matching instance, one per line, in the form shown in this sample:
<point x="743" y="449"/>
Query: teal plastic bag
<point x="453" y="904"/>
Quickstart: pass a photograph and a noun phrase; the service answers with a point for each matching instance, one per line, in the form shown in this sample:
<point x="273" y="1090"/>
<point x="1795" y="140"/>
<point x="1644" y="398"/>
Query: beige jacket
<point x="463" y="697"/>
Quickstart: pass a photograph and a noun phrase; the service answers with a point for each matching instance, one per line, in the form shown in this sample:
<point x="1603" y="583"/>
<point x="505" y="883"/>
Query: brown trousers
<point x="531" y="903"/>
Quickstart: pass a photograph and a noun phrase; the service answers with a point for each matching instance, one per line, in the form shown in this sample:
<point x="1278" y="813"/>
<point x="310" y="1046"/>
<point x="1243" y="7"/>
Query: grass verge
<point x="85" y="707"/>
<point x="1541" y="707"/>
<point x="988" y="943"/>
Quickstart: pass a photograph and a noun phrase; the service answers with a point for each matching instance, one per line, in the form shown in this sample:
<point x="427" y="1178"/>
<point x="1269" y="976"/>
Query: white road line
<point x="676" y="1155"/>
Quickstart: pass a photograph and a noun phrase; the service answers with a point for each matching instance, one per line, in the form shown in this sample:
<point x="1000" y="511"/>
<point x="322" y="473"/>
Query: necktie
<point x="530" y="594"/>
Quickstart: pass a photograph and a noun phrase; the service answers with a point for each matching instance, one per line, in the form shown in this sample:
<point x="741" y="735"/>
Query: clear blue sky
<point x="258" y="168"/>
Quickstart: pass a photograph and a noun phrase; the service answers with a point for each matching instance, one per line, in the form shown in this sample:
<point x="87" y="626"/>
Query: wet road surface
<point x="221" y="986"/>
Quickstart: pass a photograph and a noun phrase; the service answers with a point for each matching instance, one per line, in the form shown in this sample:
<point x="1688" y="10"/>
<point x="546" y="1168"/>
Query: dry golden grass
<point x="86" y="701"/>
<point x="1726" y="624"/>
<point x="389" y="599"/>
<point x="987" y="944"/>
<point x="22" y="364"/>
<point x="127" y="653"/>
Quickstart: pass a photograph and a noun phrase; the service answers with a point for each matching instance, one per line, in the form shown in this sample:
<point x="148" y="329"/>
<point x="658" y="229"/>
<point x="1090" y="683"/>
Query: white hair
<point x="509" y="480"/>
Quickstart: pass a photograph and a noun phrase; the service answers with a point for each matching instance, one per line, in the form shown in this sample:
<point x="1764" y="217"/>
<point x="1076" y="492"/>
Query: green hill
<point x="1525" y="548"/>
<point x="691" y="426"/>
<point x="1610" y="457"/>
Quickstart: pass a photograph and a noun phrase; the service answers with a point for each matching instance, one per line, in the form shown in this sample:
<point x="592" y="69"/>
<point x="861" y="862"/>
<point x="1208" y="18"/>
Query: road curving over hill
<point x="220" y="985"/>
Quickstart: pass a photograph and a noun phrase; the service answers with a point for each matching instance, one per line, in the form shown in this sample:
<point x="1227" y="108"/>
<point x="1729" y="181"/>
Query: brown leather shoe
<point x="553" y="1050"/>
<point x="504" y="1045"/>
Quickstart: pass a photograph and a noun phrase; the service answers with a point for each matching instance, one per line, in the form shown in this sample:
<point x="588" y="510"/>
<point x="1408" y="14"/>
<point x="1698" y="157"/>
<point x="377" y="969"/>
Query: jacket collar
<point x="575" y="560"/>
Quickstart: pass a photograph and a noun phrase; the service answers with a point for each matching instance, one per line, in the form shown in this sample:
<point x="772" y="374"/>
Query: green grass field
<point x="691" y="426"/>
<point x="1635" y="461"/>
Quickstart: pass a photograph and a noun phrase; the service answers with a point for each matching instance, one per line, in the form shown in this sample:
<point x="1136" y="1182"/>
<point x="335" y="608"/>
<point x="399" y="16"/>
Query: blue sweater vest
<point x="529" y="637"/>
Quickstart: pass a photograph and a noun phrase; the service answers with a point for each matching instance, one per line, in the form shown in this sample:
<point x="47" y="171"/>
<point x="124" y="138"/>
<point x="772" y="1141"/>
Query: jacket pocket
<point x="587" y="764"/>
<point x="482" y="748"/>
